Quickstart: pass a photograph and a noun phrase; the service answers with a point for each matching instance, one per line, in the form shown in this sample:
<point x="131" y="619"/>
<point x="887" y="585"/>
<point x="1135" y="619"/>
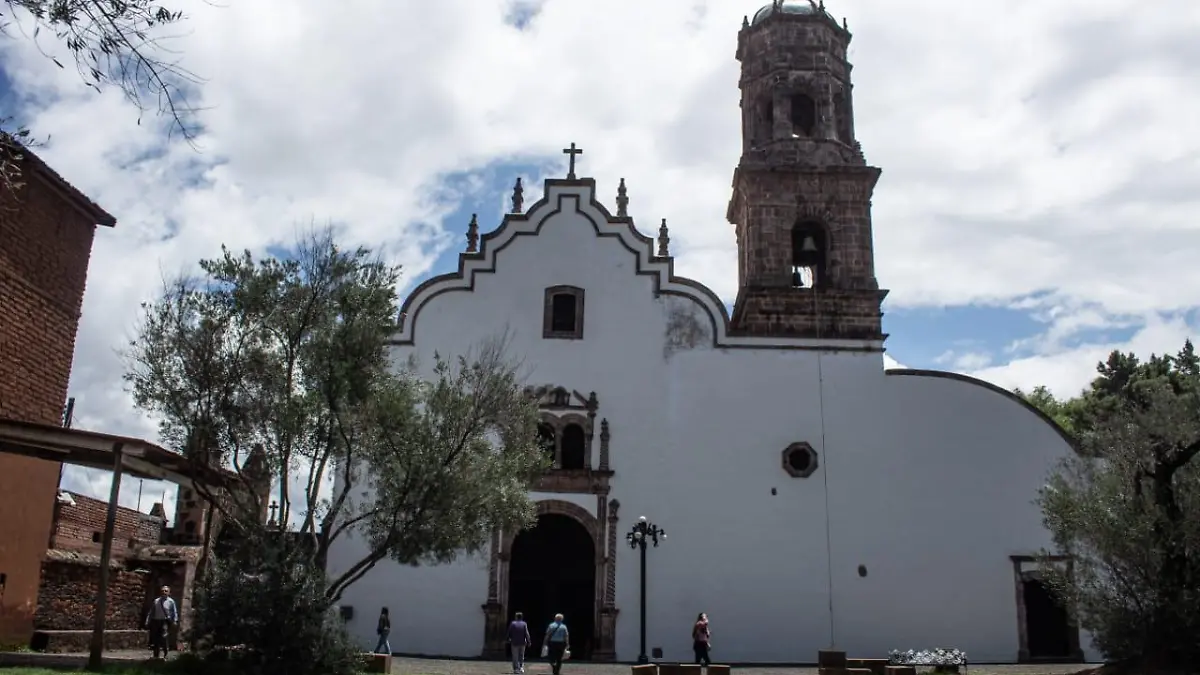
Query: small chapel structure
<point x="813" y="499"/>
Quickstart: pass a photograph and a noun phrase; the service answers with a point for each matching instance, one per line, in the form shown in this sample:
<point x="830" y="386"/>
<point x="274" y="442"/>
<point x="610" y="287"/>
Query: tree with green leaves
<point x="290" y="357"/>
<point x="1126" y="509"/>
<point x="112" y="43"/>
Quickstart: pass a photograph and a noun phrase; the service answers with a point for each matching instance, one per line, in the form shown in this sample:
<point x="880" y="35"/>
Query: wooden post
<point x="95" y="657"/>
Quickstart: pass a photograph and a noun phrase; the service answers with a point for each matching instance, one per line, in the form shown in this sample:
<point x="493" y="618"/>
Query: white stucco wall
<point x="928" y="482"/>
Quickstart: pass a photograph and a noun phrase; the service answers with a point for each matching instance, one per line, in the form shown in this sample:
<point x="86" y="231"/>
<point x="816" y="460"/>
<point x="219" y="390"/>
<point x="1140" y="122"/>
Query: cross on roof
<point x="571" y="151"/>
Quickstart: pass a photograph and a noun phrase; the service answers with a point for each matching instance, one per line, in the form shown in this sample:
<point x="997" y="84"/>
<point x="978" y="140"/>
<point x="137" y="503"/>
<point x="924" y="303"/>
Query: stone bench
<point x="875" y="666"/>
<point x="831" y="662"/>
<point x="376" y="663"/>
<point x="680" y="669"/>
<point x="78" y="641"/>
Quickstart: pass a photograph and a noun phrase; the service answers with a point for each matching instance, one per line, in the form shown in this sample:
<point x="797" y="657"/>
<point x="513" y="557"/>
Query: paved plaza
<point x="418" y="666"/>
<point x="412" y="666"/>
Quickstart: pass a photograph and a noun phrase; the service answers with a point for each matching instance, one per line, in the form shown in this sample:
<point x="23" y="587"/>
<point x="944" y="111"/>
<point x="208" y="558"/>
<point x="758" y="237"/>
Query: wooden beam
<point x="95" y="657"/>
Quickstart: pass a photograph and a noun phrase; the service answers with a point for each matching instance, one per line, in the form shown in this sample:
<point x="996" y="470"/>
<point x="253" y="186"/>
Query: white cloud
<point x="1036" y="153"/>
<point x="1066" y="371"/>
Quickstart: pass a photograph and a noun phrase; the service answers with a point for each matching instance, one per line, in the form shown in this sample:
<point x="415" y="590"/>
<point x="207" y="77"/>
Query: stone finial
<point x="845" y="24"/>
<point x="593" y="403"/>
<point x="745" y="21"/>
<point x="518" y="198"/>
<point x="473" y="234"/>
<point x="604" y="438"/>
<point x="613" y="507"/>
<point x="663" y="240"/>
<point x="622" y="201"/>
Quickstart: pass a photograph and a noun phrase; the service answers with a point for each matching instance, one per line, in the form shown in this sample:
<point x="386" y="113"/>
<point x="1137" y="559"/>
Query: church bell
<point x="797" y="280"/>
<point x="808" y="245"/>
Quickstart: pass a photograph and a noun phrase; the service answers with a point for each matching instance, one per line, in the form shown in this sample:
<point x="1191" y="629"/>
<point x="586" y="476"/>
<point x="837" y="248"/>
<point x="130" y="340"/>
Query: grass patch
<point x="109" y="669"/>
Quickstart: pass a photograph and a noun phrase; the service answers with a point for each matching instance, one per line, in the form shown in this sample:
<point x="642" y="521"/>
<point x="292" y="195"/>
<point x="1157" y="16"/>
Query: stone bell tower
<point x="802" y="191"/>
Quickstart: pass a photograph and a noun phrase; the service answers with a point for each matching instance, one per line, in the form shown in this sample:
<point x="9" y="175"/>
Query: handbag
<point x="545" y="651"/>
<point x="566" y="654"/>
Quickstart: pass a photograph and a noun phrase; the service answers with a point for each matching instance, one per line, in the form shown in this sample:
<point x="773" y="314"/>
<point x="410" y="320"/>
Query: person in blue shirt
<point x="557" y="643"/>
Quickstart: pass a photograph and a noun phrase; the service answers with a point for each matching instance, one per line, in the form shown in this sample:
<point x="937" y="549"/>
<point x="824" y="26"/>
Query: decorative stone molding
<point x="579" y="197"/>
<point x="562" y="408"/>
<point x="607" y="625"/>
<point x="799" y="460"/>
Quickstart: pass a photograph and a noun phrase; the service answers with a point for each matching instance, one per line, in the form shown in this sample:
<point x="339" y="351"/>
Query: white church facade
<point x="812" y="498"/>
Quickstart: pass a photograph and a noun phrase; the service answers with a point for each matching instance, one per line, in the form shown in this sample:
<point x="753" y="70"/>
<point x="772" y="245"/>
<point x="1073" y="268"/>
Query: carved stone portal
<point x="603" y="533"/>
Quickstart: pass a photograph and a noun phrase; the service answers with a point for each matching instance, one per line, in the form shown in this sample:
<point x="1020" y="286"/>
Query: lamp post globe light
<point x="643" y="534"/>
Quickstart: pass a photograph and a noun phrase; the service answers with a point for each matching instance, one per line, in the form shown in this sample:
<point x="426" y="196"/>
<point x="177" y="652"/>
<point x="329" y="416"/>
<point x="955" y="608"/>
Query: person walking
<point x="162" y="617"/>
<point x="518" y="640"/>
<point x="556" y="644"/>
<point x="383" y="629"/>
<point x="700" y="640"/>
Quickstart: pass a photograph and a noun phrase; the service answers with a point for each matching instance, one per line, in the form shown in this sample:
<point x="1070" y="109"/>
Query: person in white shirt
<point x="162" y="617"/>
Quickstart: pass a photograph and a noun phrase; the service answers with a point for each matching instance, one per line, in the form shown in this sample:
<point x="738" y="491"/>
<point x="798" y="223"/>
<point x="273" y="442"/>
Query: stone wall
<point x="46" y="230"/>
<point x="67" y="594"/>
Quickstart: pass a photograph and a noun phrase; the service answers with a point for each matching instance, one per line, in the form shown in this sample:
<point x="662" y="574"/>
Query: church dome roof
<point x="787" y="7"/>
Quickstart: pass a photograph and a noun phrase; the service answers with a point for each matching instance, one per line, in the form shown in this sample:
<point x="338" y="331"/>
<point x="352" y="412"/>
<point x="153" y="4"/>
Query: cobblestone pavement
<point x="418" y="666"/>
<point x="414" y="666"/>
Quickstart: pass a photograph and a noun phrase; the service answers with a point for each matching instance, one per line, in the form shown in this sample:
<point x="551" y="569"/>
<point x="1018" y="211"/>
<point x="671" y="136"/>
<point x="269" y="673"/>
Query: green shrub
<point x="263" y="611"/>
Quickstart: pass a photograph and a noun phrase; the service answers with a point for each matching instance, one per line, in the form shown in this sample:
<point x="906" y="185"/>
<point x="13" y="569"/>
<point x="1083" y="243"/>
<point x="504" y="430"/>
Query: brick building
<point x="46" y="230"/>
<point x="143" y="560"/>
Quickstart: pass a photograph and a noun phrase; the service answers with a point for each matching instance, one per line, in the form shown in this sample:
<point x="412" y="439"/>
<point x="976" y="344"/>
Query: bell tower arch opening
<point x="808" y="255"/>
<point x="801" y="202"/>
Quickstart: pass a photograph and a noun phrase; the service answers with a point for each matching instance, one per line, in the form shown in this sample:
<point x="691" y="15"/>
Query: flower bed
<point x="942" y="660"/>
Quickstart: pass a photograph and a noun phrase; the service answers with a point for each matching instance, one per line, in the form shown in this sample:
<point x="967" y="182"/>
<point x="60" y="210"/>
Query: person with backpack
<point x="556" y="645"/>
<point x="518" y="640"/>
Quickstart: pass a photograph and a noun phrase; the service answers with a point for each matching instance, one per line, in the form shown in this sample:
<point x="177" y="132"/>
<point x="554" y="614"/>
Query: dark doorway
<point x="552" y="569"/>
<point x="1047" y="624"/>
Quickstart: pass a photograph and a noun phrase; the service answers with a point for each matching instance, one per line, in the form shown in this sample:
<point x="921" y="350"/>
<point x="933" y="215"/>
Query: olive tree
<point x="290" y="357"/>
<point x="1126" y="510"/>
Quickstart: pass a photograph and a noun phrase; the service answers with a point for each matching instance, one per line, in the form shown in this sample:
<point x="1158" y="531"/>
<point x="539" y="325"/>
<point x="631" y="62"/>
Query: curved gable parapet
<point x="984" y="384"/>
<point x="579" y="196"/>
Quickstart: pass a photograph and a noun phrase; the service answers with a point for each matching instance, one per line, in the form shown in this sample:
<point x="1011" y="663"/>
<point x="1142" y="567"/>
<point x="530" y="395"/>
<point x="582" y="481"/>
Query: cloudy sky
<point x="1040" y="158"/>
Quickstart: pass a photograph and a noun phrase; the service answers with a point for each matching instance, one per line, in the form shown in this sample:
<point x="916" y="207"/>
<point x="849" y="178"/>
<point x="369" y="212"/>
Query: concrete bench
<point x="680" y="669"/>
<point x="376" y="663"/>
<point x="875" y="666"/>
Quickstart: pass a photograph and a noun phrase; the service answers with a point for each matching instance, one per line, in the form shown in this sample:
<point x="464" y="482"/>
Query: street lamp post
<point x="643" y="534"/>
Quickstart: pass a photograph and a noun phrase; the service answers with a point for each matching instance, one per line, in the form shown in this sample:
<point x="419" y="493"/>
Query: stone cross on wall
<point x="571" y="151"/>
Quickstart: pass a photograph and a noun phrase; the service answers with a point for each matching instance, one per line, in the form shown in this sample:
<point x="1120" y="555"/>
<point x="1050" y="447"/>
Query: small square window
<point x="563" y="313"/>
